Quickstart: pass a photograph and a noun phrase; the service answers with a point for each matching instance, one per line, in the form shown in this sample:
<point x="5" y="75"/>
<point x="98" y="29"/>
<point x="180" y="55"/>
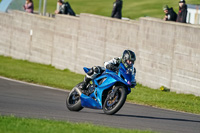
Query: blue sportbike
<point x="107" y="91"/>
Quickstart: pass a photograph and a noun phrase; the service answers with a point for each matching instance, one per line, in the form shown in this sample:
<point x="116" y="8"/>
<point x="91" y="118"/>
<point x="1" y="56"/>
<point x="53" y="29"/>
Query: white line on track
<point x="34" y="84"/>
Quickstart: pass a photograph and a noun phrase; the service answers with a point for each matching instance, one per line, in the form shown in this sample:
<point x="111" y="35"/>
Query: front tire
<point x="73" y="100"/>
<point x="113" y="104"/>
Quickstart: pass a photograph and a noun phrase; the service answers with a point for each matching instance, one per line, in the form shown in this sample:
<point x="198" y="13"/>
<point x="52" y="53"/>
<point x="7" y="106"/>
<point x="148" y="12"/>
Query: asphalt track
<point x="33" y="101"/>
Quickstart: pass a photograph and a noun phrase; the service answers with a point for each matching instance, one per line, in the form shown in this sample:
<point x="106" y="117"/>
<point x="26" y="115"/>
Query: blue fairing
<point x="109" y="78"/>
<point x="88" y="102"/>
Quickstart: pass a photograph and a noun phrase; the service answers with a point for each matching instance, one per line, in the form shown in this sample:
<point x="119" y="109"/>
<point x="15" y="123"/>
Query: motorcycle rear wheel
<point x="73" y="100"/>
<point x="113" y="104"/>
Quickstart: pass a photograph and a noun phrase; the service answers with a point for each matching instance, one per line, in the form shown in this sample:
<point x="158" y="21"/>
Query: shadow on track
<point x="158" y="118"/>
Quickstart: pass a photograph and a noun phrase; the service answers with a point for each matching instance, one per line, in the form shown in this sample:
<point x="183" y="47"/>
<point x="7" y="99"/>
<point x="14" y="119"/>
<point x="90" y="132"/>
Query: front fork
<point x="112" y="94"/>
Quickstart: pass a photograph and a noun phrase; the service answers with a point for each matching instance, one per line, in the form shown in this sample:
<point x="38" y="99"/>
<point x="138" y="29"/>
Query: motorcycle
<point x="107" y="91"/>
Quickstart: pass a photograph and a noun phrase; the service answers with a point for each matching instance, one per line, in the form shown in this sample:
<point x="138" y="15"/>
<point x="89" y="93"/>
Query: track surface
<point x="26" y="100"/>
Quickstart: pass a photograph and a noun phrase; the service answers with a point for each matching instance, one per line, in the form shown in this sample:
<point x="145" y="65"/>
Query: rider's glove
<point x="134" y="70"/>
<point x="112" y="67"/>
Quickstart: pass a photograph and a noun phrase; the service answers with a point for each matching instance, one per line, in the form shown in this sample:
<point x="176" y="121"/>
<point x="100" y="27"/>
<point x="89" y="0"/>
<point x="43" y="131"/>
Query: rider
<point x="128" y="58"/>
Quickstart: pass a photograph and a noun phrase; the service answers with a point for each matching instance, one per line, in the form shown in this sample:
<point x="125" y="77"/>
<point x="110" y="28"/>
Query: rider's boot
<point x="85" y="83"/>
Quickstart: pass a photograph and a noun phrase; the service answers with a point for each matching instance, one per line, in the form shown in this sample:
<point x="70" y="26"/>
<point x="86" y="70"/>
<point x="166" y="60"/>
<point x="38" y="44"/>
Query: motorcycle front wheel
<point x="114" y="102"/>
<point x="73" y="100"/>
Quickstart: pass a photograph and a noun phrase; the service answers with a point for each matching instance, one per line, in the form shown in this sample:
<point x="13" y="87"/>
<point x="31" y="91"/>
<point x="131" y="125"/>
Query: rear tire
<point x="73" y="100"/>
<point x="112" y="106"/>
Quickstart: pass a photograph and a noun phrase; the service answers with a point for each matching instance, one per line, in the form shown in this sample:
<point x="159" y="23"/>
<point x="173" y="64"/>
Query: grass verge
<point x="38" y="73"/>
<point x="48" y="75"/>
<point x="11" y="124"/>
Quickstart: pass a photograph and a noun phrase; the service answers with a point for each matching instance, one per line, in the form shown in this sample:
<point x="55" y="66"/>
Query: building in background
<point x="193" y="15"/>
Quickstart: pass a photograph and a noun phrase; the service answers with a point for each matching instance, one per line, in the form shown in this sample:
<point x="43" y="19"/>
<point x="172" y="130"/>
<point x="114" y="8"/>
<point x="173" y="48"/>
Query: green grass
<point x="48" y="75"/>
<point x="38" y="73"/>
<point x="167" y="100"/>
<point x="131" y="8"/>
<point x="11" y="124"/>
